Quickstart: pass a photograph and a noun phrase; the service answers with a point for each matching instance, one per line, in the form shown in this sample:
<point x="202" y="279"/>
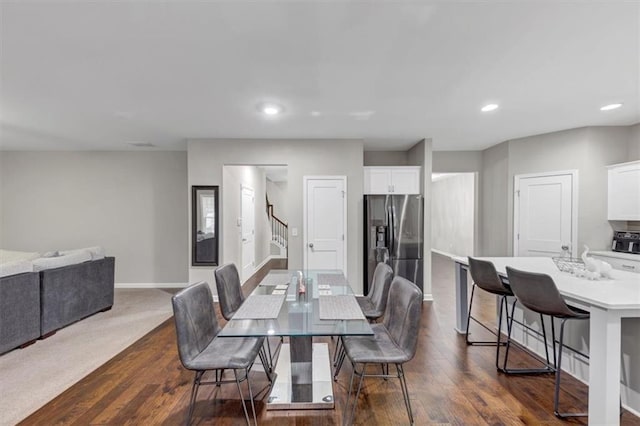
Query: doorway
<point x="248" y="231"/>
<point x="325" y="212"/>
<point x="545" y="214"/>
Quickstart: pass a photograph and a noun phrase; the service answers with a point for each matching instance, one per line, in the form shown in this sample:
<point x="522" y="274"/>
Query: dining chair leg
<point x="405" y="391"/>
<point x="345" y="412"/>
<point x="253" y="407"/>
<point x="339" y="362"/>
<point x="355" y="401"/>
<point x="265" y="363"/>
<point x="336" y="353"/>
<point x="244" y="404"/>
<point x="194" y="394"/>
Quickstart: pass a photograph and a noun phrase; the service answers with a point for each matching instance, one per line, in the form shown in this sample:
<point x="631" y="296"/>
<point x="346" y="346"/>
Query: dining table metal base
<point x="303" y="377"/>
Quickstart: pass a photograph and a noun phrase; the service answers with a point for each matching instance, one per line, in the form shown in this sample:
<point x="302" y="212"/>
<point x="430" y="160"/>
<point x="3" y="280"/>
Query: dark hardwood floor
<point x="449" y="384"/>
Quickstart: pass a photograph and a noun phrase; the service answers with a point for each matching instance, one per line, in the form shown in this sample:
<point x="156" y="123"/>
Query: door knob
<point x="310" y="245"/>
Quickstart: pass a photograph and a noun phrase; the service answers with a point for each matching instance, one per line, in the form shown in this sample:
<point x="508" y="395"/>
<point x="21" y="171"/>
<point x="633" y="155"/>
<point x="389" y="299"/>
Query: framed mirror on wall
<point x="204" y="225"/>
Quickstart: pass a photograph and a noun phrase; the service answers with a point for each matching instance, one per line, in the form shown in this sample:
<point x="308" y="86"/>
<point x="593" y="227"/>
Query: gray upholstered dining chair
<point x="229" y="289"/>
<point x="539" y="293"/>
<point x="394" y="342"/>
<point x="374" y="303"/>
<point x="230" y="297"/>
<point x="201" y="350"/>
<point x="373" y="306"/>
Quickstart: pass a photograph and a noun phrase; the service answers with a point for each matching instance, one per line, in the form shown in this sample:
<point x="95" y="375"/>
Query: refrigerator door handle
<point x="392" y="231"/>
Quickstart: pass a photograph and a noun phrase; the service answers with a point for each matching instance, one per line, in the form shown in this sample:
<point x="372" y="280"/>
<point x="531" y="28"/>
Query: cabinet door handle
<point x="631" y="267"/>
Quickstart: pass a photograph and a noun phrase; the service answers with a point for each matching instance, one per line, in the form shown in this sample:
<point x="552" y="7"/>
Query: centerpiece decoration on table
<point x="585" y="267"/>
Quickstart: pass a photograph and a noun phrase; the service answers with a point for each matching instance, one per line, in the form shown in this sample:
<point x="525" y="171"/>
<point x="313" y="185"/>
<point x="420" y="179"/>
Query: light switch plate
<point x="294" y="232"/>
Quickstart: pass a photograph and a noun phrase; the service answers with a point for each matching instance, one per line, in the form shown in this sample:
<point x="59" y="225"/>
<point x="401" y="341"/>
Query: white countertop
<point x="621" y="292"/>
<point x="617" y="255"/>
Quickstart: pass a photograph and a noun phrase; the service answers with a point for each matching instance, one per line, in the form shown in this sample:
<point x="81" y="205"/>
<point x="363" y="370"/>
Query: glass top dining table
<point x="300" y="313"/>
<point x="303" y="376"/>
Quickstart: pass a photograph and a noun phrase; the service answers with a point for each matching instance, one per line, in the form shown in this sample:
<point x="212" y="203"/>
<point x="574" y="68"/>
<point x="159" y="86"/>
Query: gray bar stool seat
<point x="538" y="293"/>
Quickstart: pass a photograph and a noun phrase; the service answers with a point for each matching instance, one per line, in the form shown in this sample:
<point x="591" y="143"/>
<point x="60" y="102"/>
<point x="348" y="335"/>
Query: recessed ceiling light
<point x="610" y="107"/>
<point x="270" y="109"/>
<point x="489" y="107"/>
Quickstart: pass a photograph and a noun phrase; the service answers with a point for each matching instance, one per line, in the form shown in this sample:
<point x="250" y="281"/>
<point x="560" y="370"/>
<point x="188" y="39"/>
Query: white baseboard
<point x="151" y="285"/>
<point x="427" y="297"/>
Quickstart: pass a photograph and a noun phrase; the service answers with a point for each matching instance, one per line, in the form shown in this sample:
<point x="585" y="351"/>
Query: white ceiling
<point x="100" y="75"/>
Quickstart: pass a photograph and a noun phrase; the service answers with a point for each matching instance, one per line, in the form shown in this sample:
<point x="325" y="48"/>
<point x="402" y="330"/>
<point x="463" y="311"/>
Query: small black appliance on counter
<point x="626" y="242"/>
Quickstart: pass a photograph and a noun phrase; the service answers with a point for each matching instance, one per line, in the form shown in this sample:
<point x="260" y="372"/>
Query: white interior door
<point x="545" y="214"/>
<point x="325" y="212"/>
<point x="248" y="226"/>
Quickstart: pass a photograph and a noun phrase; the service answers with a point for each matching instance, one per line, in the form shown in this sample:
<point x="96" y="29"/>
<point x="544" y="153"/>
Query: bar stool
<point x="538" y="292"/>
<point x="486" y="277"/>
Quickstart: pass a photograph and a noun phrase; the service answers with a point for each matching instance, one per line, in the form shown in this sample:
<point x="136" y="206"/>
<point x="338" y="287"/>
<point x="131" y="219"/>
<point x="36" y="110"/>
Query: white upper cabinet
<point x="392" y="180"/>
<point x="624" y="191"/>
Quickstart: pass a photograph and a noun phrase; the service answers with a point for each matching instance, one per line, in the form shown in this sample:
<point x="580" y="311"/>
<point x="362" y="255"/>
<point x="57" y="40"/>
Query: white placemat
<point x="260" y="306"/>
<point x="332" y="279"/>
<point x="342" y="307"/>
<point x="276" y="278"/>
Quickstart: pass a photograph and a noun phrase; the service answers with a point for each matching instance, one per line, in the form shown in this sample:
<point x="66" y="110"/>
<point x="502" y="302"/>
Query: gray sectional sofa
<point x="19" y="310"/>
<point x="35" y="304"/>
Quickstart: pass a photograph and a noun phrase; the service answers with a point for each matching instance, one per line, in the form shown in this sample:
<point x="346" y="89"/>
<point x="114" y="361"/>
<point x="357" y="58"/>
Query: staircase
<point x="279" y="234"/>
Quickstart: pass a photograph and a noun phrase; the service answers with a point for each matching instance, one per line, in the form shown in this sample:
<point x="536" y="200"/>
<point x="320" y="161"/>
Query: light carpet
<point x="33" y="376"/>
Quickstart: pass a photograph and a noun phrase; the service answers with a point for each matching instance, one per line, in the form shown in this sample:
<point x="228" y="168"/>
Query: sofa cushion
<point x="63" y="260"/>
<point x="15" y="267"/>
<point x="7" y="256"/>
<point x="97" y="252"/>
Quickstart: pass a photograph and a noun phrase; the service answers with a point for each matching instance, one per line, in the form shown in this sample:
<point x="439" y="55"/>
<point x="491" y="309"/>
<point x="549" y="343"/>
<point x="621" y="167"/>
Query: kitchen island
<point x="608" y="301"/>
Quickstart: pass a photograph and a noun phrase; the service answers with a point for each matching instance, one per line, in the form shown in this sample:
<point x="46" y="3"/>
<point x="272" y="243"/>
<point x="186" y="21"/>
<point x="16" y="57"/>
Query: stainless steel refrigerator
<point x="394" y="234"/>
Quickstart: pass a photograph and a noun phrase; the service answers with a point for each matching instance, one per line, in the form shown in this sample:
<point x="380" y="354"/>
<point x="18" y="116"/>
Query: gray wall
<point x="457" y="161"/>
<point x="131" y="203"/>
<point x="233" y="178"/>
<point x="588" y="150"/>
<point x="633" y="153"/>
<point x="453" y="214"/>
<point x="421" y="155"/>
<point x="304" y="158"/>
<point x="493" y="233"/>
<point x="386" y="158"/>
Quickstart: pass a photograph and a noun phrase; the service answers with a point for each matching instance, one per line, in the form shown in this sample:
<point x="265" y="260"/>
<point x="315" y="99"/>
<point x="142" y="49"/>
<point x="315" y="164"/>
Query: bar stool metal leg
<point x="548" y="368"/>
<point x="556" y="395"/>
<point x="470" y="317"/>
